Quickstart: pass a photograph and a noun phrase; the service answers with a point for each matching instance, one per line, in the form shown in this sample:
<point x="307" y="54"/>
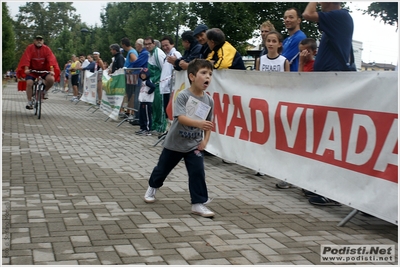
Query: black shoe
<point x="323" y="201"/>
<point x="309" y="193"/>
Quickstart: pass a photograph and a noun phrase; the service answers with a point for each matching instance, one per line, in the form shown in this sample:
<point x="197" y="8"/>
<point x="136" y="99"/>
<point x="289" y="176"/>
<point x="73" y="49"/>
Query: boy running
<point x="188" y="137"/>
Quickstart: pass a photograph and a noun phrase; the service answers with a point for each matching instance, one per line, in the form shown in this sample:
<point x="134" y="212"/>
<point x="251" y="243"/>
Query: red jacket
<point x="38" y="58"/>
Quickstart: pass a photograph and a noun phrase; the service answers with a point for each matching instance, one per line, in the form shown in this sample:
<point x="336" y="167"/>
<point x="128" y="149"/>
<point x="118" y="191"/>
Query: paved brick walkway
<point x="73" y="187"/>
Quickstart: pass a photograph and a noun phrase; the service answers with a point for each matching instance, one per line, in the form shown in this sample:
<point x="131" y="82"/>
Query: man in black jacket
<point x="200" y="34"/>
<point x="119" y="60"/>
<point x="192" y="51"/>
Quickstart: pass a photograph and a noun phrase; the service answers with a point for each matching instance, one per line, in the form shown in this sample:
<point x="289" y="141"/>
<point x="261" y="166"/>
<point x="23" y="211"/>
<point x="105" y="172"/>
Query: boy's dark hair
<point x="125" y="41"/>
<point x="310" y="42"/>
<point x="168" y="38"/>
<point x="297" y="11"/>
<point x="280" y="39"/>
<point x="196" y="64"/>
<point x="187" y="36"/>
<point x="216" y="35"/>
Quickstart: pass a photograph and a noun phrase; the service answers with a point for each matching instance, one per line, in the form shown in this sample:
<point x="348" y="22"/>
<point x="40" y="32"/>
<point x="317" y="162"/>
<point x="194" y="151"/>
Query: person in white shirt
<point x="167" y="45"/>
<point x="273" y="60"/>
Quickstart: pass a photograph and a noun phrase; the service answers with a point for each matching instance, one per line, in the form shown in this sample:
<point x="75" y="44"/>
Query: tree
<point x="62" y="16"/>
<point x="387" y="11"/>
<point x="46" y="19"/>
<point x="233" y="18"/>
<point x="65" y="45"/>
<point x="141" y="19"/>
<point x="113" y="21"/>
<point x="8" y="48"/>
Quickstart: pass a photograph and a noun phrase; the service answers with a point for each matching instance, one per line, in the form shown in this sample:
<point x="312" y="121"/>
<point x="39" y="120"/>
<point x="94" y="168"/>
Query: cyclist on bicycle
<point x="38" y="56"/>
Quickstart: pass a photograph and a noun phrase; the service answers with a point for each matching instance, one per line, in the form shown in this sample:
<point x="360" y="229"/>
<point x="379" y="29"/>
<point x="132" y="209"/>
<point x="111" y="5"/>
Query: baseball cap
<point x="96" y="53"/>
<point x="38" y="37"/>
<point x="200" y="28"/>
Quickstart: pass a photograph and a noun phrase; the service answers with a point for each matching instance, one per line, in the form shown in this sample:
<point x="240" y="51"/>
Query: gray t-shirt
<point x="182" y="138"/>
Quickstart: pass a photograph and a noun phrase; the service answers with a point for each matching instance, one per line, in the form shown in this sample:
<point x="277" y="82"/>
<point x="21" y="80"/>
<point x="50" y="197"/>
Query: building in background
<point x="377" y="67"/>
<point x="357" y="50"/>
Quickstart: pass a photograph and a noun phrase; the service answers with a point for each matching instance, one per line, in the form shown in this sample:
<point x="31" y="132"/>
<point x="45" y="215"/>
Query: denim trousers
<point x="194" y="162"/>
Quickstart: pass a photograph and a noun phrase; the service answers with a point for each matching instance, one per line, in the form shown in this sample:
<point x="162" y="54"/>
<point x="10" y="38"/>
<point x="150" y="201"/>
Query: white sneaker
<point x="150" y="195"/>
<point x="202" y="210"/>
<point x="73" y="98"/>
<point x="208" y="201"/>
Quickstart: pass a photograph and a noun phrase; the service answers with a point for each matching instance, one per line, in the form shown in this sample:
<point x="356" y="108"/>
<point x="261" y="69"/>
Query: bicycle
<point x="38" y="92"/>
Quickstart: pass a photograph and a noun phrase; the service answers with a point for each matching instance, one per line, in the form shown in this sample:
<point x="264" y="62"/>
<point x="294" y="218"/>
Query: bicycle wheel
<point x="34" y="97"/>
<point x="39" y="100"/>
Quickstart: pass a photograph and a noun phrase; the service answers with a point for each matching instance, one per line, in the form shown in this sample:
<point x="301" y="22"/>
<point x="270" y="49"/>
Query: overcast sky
<point x="380" y="42"/>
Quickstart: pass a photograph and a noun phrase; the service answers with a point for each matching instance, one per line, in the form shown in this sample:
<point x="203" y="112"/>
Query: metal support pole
<point x="348" y="217"/>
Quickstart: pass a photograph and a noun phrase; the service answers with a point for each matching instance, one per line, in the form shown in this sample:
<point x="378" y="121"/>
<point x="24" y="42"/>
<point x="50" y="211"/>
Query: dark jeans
<point x="145" y="115"/>
<point x="194" y="161"/>
<point x="165" y="103"/>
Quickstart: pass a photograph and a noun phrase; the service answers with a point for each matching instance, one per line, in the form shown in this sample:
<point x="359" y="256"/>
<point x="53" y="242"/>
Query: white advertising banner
<point x="113" y="93"/>
<point x="89" y="87"/>
<point x="335" y="134"/>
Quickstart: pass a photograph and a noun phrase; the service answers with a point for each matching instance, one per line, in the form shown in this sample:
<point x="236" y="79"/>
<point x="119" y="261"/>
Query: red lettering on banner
<point x="262" y="106"/>
<point x="358" y="140"/>
<point x="221" y="115"/>
<point x="238" y="119"/>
